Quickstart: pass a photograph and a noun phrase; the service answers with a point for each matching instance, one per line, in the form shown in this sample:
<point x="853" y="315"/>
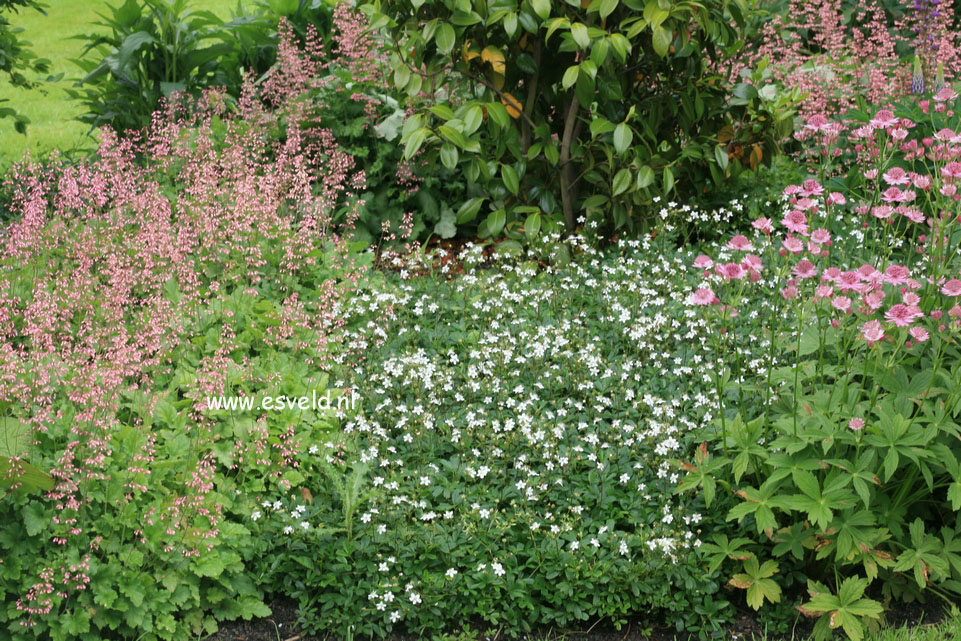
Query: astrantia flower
<point x="796" y="221"/>
<point x="731" y="271"/>
<point x="817" y="122"/>
<point x="919" y="334"/>
<point x="902" y="315"/>
<point x="896" y="176"/>
<point x="740" y="243"/>
<point x="856" y="424"/>
<point x="872" y="332"/>
<point x="883" y="211"/>
<point x="841" y="303"/>
<point x="763" y="224"/>
<point x="896" y="275"/>
<point x="793" y="245"/>
<point x="805" y="269"/>
<point x="951" y="170"/>
<point x="947" y="94"/>
<point x="703" y="262"/>
<point x="836" y="198"/>
<point x="952" y="288"/>
<point x="821" y="237"/>
<point x="884" y="119"/>
<point x="702" y="296"/>
<point x="892" y="195"/>
<point x="753" y="262"/>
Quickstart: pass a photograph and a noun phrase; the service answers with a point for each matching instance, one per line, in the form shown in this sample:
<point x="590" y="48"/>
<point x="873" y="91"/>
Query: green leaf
<point x="415" y="141"/>
<point x="209" y="565"/>
<point x="473" y="119"/>
<point x="448" y="155"/>
<point x="445" y="38"/>
<point x="721" y="157"/>
<point x="622" y="180"/>
<point x="668" y="180"/>
<point x="468" y="211"/>
<point x="622" y="137"/>
<point x="511" y="180"/>
<point x="607" y="7"/>
<point x="645" y="177"/>
<point x="580" y="35"/>
<point x="495" y="222"/>
<point x="34" y="518"/>
<point x="542" y="8"/>
<point x="661" y="40"/>
<point x="570" y="76"/>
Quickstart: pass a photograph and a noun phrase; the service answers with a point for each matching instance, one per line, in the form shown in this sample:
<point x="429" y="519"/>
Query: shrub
<point x="605" y="104"/>
<point x="16" y="57"/>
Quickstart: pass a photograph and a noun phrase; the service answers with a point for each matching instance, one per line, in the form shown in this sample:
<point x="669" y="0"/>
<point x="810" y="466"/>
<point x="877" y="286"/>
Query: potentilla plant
<point x="843" y="452"/>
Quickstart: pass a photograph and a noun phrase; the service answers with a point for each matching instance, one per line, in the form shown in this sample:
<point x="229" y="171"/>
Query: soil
<point x="282" y="626"/>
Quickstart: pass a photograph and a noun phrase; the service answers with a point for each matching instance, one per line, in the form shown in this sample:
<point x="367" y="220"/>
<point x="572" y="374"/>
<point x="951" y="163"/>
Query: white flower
<point x="498" y="569"/>
<point x="414" y="598"/>
<point x="595" y="543"/>
<point x="623" y="548"/>
<point x="451" y="573"/>
<point x="289" y="529"/>
<point x="305" y="525"/>
<point x="575" y="545"/>
<point x="255" y="515"/>
<point x="394" y="616"/>
<point x="383" y="567"/>
<point x="381" y="528"/>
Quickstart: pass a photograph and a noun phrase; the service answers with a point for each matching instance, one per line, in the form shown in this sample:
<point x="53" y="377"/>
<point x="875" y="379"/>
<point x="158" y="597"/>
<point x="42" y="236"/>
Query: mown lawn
<point x="50" y="111"/>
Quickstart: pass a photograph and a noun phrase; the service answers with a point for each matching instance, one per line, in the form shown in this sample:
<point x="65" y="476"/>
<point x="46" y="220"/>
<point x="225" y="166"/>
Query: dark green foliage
<point x="16" y="57"/>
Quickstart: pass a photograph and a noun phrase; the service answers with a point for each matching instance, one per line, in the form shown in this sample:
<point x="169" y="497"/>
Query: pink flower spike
<point x="952" y="288"/>
<point x="702" y="296"/>
<point x="856" y="424"/>
<point x="872" y="332"/>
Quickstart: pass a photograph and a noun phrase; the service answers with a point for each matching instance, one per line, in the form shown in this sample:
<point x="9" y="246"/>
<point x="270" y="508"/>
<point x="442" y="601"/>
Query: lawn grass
<point x="52" y="114"/>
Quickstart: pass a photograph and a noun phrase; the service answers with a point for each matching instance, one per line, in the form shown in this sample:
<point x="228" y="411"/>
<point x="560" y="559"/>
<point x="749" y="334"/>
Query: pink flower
<point x="836" y="198"/>
<point x="883" y="211"/>
<point x="872" y="332"/>
<point x="817" y="122"/>
<point x="812" y="188"/>
<point x="763" y="224"/>
<point x="945" y="95"/>
<point x="790" y="292"/>
<point x="740" y="243"/>
<point x="856" y="424"/>
<point x="753" y="263"/>
<point x="919" y="334"/>
<point x="896" y="176"/>
<point x="807" y="204"/>
<point x="951" y="170"/>
<point x="896" y="275"/>
<point x="823" y="291"/>
<point x="902" y="315"/>
<point x="793" y="244"/>
<point x="841" y="303"/>
<point x="831" y="274"/>
<point x="869" y="274"/>
<point x="871" y="174"/>
<point x="703" y="296"/>
<point x="850" y="282"/>
<point x="952" y="288"/>
<point x="891" y="195"/>
<point x="921" y="182"/>
<point x="805" y="269"/>
<point x="703" y="262"/>
<point x="731" y="271"/>
<point x="883" y="119"/>
<point x="874" y="299"/>
<point x="796" y="221"/>
<point x="910" y="299"/>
